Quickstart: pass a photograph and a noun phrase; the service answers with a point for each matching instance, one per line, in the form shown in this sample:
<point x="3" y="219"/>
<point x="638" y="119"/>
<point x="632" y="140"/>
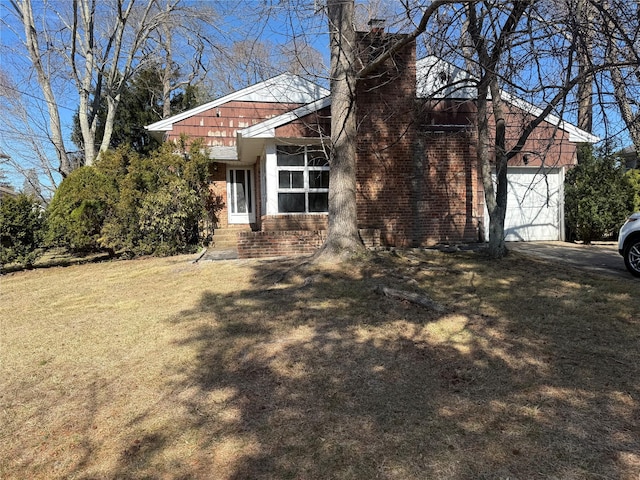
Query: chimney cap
<point x="376" y="24"/>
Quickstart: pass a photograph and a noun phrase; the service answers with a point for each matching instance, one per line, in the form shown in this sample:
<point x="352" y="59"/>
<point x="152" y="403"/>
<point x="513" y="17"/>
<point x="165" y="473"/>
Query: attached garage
<point x="535" y="204"/>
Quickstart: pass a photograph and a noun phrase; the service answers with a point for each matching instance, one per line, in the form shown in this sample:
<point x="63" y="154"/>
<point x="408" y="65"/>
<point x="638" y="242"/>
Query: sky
<point x="244" y="19"/>
<point x="235" y="24"/>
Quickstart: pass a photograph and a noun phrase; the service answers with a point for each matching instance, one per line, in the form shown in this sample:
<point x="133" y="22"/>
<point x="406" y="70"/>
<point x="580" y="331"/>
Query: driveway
<point x="601" y="257"/>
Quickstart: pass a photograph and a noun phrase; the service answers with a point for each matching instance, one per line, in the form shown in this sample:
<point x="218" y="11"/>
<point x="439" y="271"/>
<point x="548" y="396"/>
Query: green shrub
<point x="79" y="208"/>
<point x="598" y="197"/>
<point x="133" y="204"/>
<point x="161" y="201"/>
<point x="169" y="218"/>
<point x="21" y="230"/>
<point x="633" y="176"/>
<point x="120" y="231"/>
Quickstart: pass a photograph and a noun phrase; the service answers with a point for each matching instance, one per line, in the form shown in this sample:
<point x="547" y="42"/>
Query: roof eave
<point x="166" y="124"/>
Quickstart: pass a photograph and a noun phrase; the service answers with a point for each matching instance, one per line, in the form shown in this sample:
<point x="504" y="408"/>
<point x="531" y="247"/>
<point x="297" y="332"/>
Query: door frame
<point x="235" y="217"/>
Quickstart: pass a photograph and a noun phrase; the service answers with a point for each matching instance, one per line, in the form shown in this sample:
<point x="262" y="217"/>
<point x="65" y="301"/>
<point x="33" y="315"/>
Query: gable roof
<point x="434" y="78"/>
<point x="285" y="88"/>
<point x="438" y="78"/>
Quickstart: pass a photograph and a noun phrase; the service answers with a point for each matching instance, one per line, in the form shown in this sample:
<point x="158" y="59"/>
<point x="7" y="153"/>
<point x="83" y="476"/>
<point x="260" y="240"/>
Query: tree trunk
<point x="26" y="14"/>
<point x="614" y="55"/>
<point x="342" y="235"/>
<point x="168" y="70"/>
<point x="112" y="106"/>
<point x="497" y="247"/>
<point x="495" y="197"/>
<point x="624" y="104"/>
<point x="583" y="48"/>
<point x="495" y="194"/>
<point x="87" y="114"/>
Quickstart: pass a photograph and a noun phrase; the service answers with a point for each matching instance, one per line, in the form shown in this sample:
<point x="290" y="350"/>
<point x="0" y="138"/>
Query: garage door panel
<point x="532" y="200"/>
<point x="529" y="233"/>
<point x="532" y="193"/>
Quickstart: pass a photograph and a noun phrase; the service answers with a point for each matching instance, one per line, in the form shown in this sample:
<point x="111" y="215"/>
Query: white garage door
<point x="534" y="204"/>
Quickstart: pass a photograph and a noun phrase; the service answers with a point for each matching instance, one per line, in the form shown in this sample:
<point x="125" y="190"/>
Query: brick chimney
<point x="385" y="106"/>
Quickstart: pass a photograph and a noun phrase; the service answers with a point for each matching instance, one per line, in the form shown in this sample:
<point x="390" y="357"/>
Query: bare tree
<point x="493" y="152"/>
<point x="31" y="186"/>
<point x="99" y="46"/>
<point x="606" y="32"/>
<point x="248" y="61"/>
<point x="619" y="37"/>
<point x="583" y="33"/>
<point x="180" y="45"/>
<point x="44" y="72"/>
<point x="24" y="140"/>
<point x="342" y="235"/>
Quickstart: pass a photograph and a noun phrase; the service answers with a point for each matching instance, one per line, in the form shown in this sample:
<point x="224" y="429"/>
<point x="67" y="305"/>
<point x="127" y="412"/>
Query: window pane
<point x="240" y="192"/>
<point x="318" y="179"/>
<point x="318" y="202"/>
<point x="297" y="179"/>
<point x="317" y="158"/>
<point x="284" y="179"/>
<point x="290" y="179"/>
<point x="290" y="156"/>
<point x="291" y="202"/>
<point x="249" y="200"/>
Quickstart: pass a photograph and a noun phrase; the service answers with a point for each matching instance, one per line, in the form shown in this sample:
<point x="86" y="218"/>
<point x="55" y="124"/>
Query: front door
<point x="240" y="195"/>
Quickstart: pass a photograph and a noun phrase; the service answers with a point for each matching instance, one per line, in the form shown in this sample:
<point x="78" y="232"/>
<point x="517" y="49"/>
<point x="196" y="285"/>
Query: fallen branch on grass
<point x="412" y="297"/>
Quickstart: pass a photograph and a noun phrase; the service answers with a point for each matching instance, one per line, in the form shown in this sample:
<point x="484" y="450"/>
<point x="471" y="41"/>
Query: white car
<point x="629" y="244"/>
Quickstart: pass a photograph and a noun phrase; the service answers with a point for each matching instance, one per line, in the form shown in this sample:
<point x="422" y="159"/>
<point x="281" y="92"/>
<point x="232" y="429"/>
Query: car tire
<point x="632" y="256"/>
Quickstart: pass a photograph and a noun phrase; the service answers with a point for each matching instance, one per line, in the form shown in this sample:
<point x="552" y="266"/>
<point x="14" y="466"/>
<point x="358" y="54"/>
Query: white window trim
<point x="306" y="189"/>
<point x="271" y="178"/>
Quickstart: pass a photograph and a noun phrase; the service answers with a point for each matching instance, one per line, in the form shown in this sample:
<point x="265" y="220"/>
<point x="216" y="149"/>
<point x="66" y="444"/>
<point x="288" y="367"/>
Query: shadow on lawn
<point x="331" y="380"/>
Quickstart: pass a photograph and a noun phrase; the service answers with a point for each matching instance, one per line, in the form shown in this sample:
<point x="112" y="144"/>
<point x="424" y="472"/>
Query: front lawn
<point x="161" y="368"/>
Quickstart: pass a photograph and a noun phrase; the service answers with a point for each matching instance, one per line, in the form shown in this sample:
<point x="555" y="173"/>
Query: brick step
<point x="224" y="238"/>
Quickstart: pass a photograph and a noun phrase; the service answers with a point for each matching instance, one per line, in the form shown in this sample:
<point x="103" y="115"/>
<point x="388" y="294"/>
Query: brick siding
<point x="292" y="242"/>
<point x="276" y="244"/>
<point x="218" y="189"/>
<point x="417" y="187"/>
<point x="294" y="222"/>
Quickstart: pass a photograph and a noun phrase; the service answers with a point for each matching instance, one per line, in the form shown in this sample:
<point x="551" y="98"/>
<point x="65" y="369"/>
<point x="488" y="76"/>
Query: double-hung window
<point x="303" y="179"/>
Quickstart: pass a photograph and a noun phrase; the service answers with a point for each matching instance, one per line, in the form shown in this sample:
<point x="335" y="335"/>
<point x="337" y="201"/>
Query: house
<point x="630" y="157"/>
<point x="418" y="179"/>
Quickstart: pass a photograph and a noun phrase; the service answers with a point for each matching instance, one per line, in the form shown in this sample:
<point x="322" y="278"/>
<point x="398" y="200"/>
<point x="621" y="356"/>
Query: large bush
<point x="598" y="197"/>
<point x="79" y="208"/>
<point x="135" y="204"/>
<point x="161" y="203"/>
<point x="169" y="218"/>
<point x="21" y="229"/>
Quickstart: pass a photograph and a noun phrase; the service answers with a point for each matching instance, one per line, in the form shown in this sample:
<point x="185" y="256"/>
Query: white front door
<point x="240" y="195"/>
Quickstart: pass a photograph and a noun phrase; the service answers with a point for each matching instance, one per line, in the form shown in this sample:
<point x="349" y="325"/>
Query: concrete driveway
<point x="601" y="257"/>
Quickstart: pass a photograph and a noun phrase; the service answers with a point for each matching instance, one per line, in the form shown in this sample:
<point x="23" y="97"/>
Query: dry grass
<point x="160" y="368"/>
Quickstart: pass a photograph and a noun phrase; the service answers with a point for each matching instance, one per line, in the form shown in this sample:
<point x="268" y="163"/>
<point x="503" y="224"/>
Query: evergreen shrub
<point x="598" y="197"/>
<point x="21" y="230"/>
